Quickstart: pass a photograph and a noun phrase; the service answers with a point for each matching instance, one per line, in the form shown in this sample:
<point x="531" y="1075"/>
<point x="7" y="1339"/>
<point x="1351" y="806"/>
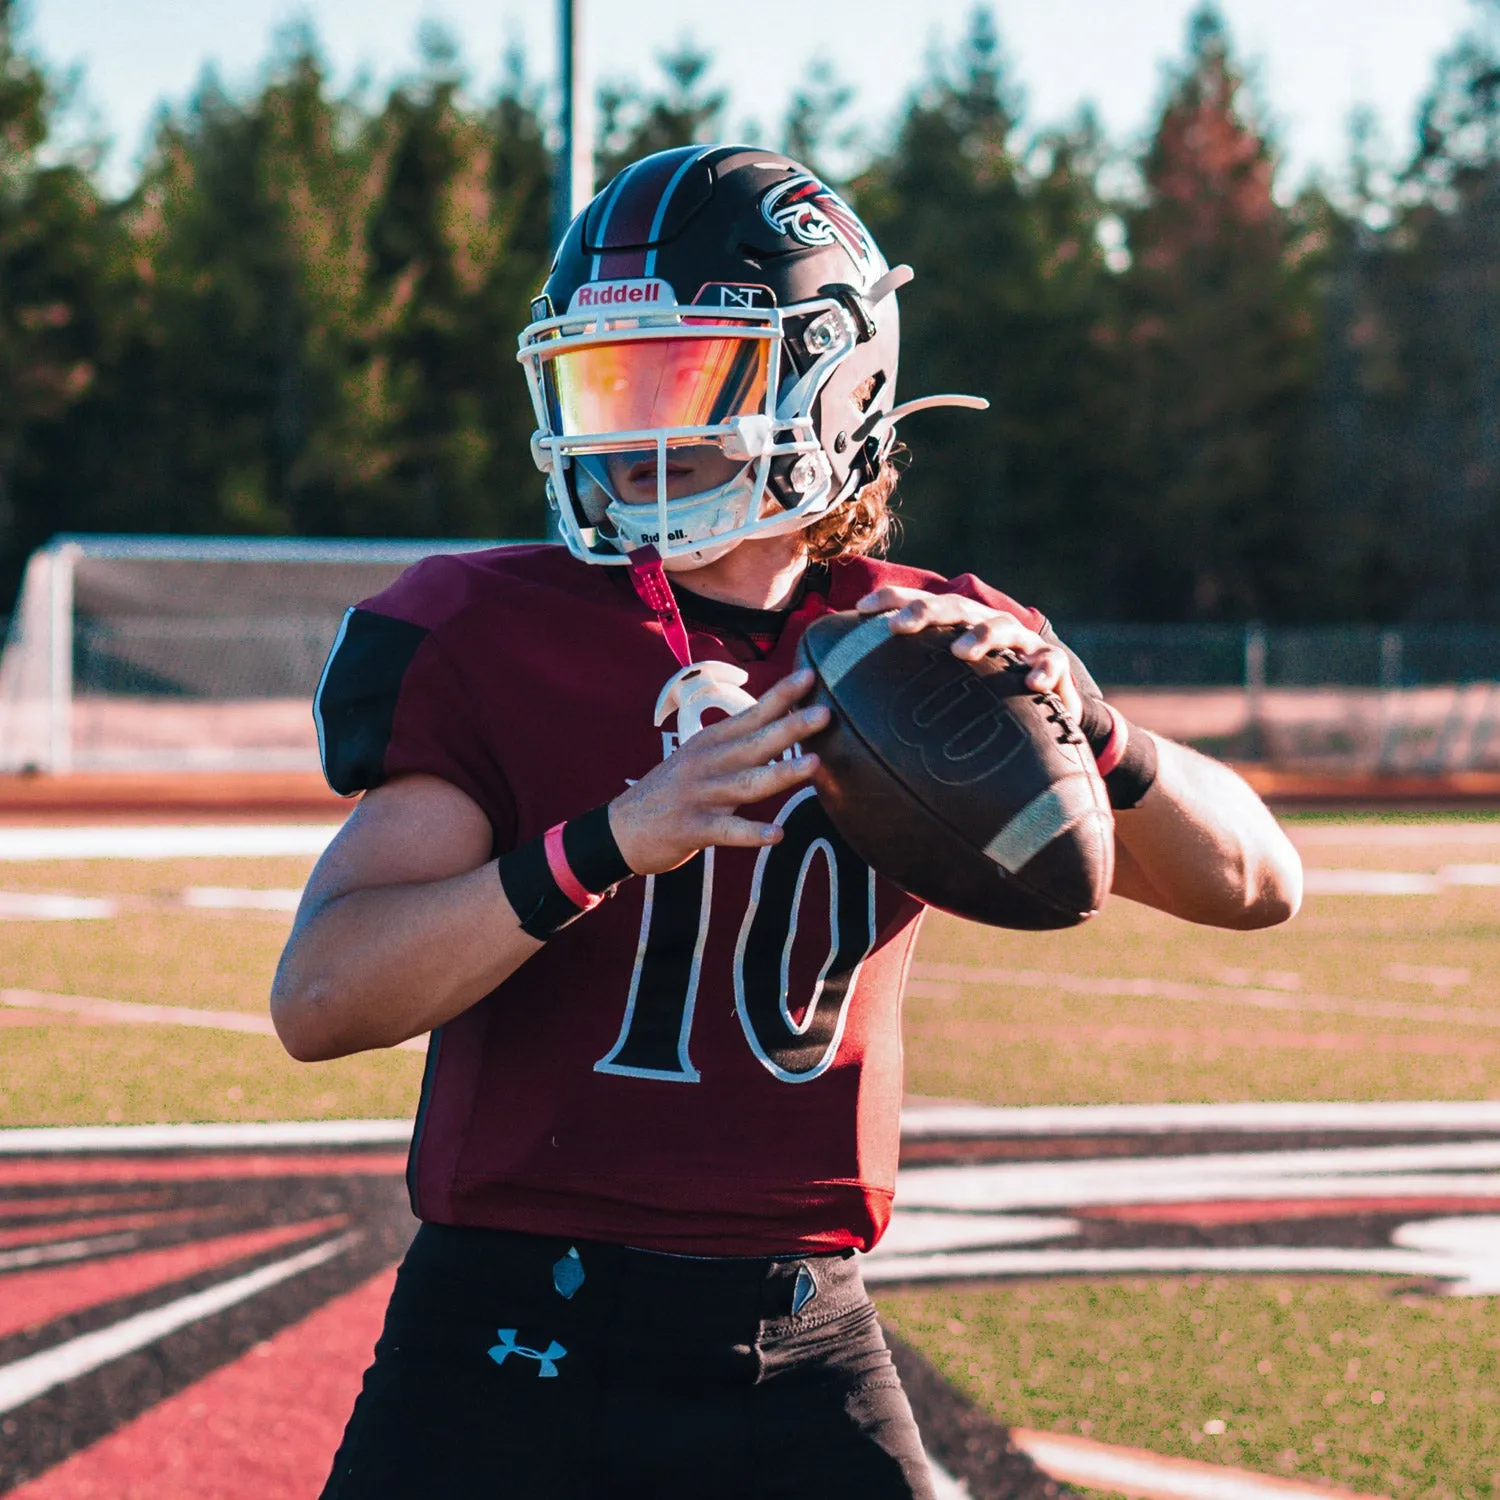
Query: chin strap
<point x="649" y="579"/>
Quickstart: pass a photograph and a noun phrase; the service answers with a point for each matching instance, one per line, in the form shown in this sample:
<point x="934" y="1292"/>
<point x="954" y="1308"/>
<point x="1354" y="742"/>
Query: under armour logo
<point x="546" y="1358"/>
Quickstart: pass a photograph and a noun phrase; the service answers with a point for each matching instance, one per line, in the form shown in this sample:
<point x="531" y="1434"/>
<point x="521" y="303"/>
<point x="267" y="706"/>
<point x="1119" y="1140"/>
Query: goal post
<point x="166" y="653"/>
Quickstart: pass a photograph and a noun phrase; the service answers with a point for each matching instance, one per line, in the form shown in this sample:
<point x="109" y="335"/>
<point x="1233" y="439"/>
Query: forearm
<point x="374" y="967"/>
<point x="1202" y="846"/>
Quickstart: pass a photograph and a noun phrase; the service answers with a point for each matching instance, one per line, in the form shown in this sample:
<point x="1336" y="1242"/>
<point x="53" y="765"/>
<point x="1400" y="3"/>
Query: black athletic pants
<point x="517" y="1365"/>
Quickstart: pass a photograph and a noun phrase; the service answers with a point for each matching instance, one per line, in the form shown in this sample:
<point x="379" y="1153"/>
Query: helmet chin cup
<point x="690" y="562"/>
<point x="710" y="522"/>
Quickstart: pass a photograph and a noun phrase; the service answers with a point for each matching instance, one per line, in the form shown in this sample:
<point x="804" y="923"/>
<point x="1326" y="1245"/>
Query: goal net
<point x="180" y="653"/>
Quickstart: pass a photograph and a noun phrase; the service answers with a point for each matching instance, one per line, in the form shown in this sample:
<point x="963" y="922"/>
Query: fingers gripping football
<point x="691" y="800"/>
<point x="989" y="630"/>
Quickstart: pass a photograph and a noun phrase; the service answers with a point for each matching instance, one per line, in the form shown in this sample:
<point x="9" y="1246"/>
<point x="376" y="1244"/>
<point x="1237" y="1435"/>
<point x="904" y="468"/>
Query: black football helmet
<point x="713" y="294"/>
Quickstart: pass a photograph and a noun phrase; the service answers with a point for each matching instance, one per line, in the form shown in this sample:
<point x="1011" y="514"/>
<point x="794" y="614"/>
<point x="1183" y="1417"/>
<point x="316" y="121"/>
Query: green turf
<point x="60" y="1072"/>
<point x="213" y="961"/>
<point x="1290" y="1367"/>
<point x="70" y="1074"/>
<point x="157" y="951"/>
<point x="151" y="878"/>
<point x="1000" y="1043"/>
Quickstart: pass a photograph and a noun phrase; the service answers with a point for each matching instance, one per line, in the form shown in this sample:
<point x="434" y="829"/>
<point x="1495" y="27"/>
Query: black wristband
<point x="1096" y="723"/>
<point x="593" y="862"/>
<point x="593" y="854"/>
<point x="1134" y="771"/>
<point x="533" y="891"/>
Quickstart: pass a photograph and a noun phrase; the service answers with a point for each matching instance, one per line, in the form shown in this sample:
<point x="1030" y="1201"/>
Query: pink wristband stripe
<point x="562" y="872"/>
<point x="1114" y="747"/>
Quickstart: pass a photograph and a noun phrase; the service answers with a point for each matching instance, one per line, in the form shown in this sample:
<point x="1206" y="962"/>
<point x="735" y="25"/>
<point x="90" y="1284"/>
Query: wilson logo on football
<point x="810" y="212"/>
<point x="651" y="291"/>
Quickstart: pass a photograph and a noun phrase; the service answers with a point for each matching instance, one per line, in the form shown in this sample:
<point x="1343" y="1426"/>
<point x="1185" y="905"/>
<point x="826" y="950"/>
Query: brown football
<point x="955" y="780"/>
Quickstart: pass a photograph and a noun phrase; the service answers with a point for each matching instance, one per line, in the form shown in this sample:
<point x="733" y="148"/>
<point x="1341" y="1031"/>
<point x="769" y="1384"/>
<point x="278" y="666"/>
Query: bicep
<point x="408" y="831"/>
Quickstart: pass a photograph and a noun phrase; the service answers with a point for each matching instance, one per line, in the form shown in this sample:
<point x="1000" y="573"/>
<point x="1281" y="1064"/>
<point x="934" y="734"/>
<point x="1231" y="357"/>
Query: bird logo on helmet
<point x="729" y="328"/>
<point x="811" y="213"/>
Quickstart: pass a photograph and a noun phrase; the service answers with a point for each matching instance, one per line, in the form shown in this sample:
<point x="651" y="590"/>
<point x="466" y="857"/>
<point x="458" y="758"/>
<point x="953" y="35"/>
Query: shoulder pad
<point x="355" y="705"/>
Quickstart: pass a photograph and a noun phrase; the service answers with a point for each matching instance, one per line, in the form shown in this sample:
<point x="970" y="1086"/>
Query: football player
<point x="661" y="1104"/>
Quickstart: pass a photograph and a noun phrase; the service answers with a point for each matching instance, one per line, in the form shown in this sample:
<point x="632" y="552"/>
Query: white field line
<point x="925" y="1122"/>
<point x="1370" y="883"/>
<point x="253" y="1135"/>
<point x="1447" y="1169"/>
<point x="1392" y="835"/>
<point x="931" y="979"/>
<point x="1261" y="1260"/>
<point x="167" y="841"/>
<point x="1148" y="1476"/>
<point x="959" y="1121"/>
<point x="28" y="906"/>
<point x="133" y="1013"/>
<point x="915" y="1231"/>
<point x="235" y="898"/>
<point x="41" y="906"/>
<point x="1463" y="1251"/>
<point x="1345" y="882"/>
<point x="42" y="1255"/>
<point x="26" y="1379"/>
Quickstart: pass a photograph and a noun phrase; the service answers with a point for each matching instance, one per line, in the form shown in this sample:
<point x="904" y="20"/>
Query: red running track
<point x="262" y="1428"/>
<point x="36" y="1297"/>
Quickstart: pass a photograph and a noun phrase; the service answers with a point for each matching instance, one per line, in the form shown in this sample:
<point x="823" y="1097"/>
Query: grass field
<point x="1348" y="1381"/>
<point x="59" y="1071"/>
<point x="1363" y="997"/>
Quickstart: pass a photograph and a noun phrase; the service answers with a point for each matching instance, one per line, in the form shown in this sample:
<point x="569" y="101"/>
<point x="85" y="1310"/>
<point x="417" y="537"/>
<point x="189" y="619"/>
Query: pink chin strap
<point x="650" y="580"/>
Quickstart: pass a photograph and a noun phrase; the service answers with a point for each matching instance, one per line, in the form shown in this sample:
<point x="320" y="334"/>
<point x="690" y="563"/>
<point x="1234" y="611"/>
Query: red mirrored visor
<point x="637" y="385"/>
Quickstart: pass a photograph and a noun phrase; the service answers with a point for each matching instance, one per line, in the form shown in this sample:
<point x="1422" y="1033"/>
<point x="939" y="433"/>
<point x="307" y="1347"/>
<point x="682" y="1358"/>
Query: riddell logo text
<point x="622" y="293"/>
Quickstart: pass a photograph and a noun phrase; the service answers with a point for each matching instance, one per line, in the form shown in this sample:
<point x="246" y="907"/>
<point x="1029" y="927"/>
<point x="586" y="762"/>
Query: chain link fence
<point x="1419" y="699"/>
<point x="1351" y="656"/>
<point x="193" y="652"/>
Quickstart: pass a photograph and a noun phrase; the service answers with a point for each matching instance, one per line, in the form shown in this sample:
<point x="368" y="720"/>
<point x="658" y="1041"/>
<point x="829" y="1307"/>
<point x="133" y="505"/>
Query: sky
<point x="1314" y="60"/>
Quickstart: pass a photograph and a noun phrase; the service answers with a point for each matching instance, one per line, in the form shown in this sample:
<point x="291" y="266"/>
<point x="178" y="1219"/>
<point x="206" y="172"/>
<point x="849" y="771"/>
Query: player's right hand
<point x="690" y="800"/>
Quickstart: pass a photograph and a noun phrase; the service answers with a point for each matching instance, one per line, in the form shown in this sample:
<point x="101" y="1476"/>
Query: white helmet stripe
<point x="659" y="218"/>
<point x="609" y="208"/>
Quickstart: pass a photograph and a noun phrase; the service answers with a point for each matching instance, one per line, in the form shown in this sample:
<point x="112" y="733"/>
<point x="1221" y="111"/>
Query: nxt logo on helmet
<point x="651" y="292"/>
<point x="810" y="212"/>
<point x="734" y="294"/>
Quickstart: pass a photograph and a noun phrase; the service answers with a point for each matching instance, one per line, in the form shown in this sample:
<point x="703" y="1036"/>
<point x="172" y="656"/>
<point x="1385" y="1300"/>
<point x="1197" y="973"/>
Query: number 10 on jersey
<point x="795" y="1036"/>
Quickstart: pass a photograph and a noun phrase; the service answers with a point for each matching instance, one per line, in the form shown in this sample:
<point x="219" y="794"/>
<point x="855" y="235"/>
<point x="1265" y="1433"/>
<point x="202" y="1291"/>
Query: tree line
<point x="1208" y="402"/>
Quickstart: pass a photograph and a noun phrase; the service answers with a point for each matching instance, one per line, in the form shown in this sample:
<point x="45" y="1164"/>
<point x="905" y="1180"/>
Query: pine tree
<point x="1008" y="298"/>
<point x="54" y="301"/>
<point x="1219" y="332"/>
<point x="634" y="123"/>
<point x="812" y="128"/>
<point x="325" y="304"/>
<point x="1427" y="341"/>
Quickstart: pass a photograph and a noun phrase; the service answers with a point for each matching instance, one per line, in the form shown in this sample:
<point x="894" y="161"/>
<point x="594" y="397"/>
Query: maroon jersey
<point x="708" y="1063"/>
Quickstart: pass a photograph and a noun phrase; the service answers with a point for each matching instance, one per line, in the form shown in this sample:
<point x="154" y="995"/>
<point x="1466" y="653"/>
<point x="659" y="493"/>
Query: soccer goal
<point x="156" y="653"/>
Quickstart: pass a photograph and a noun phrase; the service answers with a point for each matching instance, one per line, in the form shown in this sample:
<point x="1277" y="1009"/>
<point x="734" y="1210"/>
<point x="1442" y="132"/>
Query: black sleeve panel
<point x="1087" y="687"/>
<point x="355" y="705"/>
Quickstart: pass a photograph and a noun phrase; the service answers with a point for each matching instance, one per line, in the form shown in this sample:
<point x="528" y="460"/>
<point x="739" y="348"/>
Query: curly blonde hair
<point x="861" y="527"/>
<point x="865" y="525"/>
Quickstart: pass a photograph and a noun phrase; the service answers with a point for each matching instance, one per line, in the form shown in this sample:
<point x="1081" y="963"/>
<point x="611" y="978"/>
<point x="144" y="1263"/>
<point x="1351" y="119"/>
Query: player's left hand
<point x="989" y="630"/>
